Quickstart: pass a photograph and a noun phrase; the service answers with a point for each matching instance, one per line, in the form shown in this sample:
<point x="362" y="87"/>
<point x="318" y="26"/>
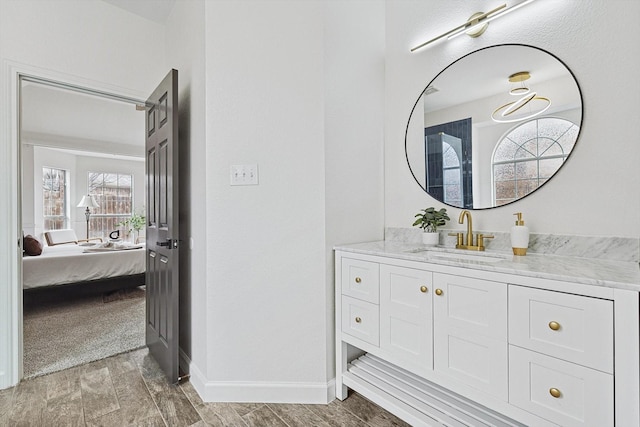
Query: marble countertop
<point x="589" y="271"/>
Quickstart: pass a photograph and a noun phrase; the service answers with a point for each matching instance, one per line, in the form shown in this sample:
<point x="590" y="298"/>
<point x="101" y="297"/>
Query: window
<point x="54" y="198"/>
<point x="529" y="155"/>
<point x="114" y="194"/>
<point x="452" y="171"/>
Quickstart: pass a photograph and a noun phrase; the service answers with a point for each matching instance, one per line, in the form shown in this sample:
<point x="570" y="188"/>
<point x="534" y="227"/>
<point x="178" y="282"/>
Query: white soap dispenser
<point x="519" y="236"/>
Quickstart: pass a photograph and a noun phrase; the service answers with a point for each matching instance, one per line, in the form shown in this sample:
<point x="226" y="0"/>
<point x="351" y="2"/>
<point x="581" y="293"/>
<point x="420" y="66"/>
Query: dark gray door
<point x="162" y="225"/>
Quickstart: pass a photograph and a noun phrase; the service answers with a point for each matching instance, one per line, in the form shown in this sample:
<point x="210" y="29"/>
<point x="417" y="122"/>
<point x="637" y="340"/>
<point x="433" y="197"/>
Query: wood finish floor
<point x="130" y="390"/>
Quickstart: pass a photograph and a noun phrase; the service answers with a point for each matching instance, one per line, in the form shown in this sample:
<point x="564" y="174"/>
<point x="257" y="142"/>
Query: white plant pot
<point x="430" y="239"/>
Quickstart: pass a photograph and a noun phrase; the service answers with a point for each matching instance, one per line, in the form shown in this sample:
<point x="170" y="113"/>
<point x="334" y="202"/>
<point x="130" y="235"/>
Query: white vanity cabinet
<point x="442" y="344"/>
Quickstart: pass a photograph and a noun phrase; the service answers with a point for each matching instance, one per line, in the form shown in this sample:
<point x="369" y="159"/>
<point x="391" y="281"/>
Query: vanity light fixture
<point x="536" y="104"/>
<point x="476" y="24"/>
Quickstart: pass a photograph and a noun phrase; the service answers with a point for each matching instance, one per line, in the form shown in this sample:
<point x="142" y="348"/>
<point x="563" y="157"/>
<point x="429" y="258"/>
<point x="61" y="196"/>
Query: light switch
<point x="244" y="174"/>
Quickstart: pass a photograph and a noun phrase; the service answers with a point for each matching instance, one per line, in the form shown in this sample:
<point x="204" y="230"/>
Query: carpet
<point x="72" y="330"/>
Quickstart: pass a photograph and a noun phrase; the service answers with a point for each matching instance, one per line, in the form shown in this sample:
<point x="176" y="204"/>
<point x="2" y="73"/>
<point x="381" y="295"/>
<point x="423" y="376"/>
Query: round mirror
<point x="493" y="126"/>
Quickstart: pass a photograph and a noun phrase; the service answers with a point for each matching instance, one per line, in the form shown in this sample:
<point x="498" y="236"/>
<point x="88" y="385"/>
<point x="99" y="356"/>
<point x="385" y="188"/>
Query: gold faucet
<point x="467" y="214"/>
<point x="461" y="244"/>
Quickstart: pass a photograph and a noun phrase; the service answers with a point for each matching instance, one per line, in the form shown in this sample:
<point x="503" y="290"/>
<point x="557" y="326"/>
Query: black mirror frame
<point x="456" y="61"/>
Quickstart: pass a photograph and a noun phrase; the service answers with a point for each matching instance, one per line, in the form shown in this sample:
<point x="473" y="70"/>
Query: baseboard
<point x="263" y="392"/>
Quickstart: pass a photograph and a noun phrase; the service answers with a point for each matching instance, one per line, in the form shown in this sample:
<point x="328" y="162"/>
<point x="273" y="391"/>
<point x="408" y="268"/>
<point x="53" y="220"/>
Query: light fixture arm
<point x="476" y="24"/>
<point x="461" y="28"/>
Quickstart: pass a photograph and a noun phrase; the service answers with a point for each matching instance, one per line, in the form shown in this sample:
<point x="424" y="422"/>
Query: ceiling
<point x="83" y="124"/>
<point x="485" y="73"/>
<point x="80" y="123"/>
<point x="154" y="10"/>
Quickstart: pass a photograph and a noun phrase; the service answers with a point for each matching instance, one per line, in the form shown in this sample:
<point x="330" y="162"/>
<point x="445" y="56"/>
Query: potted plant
<point x="429" y="219"/>
<point x="135" y="223"/>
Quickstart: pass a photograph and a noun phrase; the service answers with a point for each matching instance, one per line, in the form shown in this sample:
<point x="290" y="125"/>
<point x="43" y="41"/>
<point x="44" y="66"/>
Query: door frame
<point x="11" y="316"/>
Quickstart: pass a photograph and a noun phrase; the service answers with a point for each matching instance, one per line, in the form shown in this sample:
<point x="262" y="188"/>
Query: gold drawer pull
<point x="423" y="289"/>
<point x="439" y="292"/>
<point x="554" y="326"/>
<point x="555" y="392"/>
<point x="358" y="280"/>
<point x="358" y="320"/>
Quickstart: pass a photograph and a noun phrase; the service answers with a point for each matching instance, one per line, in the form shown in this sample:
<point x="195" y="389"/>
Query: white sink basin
<point x="458" y="255"/>
<point x="466" y="257"/>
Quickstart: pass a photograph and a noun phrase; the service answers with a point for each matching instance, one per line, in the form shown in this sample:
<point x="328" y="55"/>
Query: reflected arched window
<point x="529" y="155"/>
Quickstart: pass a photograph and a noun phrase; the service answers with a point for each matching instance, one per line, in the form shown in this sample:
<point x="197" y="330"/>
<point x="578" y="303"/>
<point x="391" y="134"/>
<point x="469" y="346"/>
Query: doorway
<point x="76" y="141"/>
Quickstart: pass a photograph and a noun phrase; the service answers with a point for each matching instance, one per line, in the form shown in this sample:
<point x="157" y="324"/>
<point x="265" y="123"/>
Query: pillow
<point x="32" y="246"/>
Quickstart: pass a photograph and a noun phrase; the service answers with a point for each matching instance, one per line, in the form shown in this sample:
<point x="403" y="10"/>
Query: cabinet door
<point x="470" y="332"/>
<point x="406" y="317"/>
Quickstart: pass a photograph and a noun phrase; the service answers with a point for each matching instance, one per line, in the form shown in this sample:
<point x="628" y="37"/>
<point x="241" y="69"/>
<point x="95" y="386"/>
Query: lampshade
<point x="88" y="201"/>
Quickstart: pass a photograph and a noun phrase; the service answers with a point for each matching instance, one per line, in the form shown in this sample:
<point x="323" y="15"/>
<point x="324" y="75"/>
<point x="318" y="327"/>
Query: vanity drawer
<point x="561" y="392"/>
<point x="574" y="328"/>
<point x="361" y="320"/>
<point x="361" y="279"/>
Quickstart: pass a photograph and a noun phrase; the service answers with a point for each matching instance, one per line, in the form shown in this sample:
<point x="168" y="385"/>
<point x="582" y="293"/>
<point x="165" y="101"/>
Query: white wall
<point x="28" y="198"/>
<point x="602" y="173"/>
<point x="354" y="133"/>
<point x="185" y="52"/>
<point x="89" y="39"/>
<point x="278" y="94"/>
<point x="88" y="42"/>
<point x="266" y="335"/>
<point x="269" y="280"/>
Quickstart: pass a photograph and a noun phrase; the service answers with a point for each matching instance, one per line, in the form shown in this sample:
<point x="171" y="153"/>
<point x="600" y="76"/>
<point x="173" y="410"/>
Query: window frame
<point x="535" y="159"/>
<point x="65" y="199"/>
<point x="117" y="217"/>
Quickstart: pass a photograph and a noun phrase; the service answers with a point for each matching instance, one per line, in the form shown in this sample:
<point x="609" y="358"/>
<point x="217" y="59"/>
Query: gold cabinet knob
<point x="553" y="325"/>
<point x="358" y="280"/>
<point x="439" y="292"/>
<point x="358" y="320"/>
<point x="555" y="392"/>
<point x="423" y="289"/>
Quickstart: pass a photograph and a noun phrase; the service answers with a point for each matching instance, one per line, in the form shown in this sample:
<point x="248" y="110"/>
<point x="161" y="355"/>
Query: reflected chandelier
<point x="535" y="105"/>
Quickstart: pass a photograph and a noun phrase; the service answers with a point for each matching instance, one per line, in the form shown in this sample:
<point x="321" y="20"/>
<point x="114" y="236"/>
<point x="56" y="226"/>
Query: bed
<point x="84" y="263"/>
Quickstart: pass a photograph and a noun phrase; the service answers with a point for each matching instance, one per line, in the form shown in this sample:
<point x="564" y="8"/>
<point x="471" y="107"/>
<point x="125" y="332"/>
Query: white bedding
<point x="62" y="264"/>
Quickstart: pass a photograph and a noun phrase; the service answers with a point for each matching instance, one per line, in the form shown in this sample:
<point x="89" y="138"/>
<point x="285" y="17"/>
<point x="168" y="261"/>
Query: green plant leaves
<point x="429" y="219"/>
